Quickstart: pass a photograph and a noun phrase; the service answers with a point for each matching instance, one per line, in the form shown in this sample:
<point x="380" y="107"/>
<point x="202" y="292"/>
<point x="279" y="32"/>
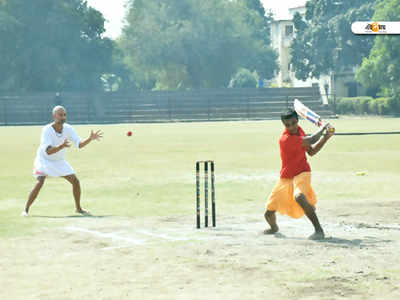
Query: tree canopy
<point x="195" y="44"/>
<point x="324" y="41"/>
<point x="52" y="45"/>
<point x="381" y="69"/>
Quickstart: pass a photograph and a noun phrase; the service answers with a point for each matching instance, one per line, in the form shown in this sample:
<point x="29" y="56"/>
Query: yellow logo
<point x="375" y="27"/>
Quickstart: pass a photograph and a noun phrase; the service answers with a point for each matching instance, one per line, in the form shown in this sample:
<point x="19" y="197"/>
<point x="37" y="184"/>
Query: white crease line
<point x="115" y="247"/>
<point x="106" y="235"/>
<point x="163" y="236"/>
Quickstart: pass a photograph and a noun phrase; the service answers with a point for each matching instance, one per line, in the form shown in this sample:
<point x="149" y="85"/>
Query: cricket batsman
<point x="293" y="194"/>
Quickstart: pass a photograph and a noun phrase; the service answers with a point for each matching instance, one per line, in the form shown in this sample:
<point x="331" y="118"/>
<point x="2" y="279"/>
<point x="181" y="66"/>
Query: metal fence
<point x="161" y="106"/>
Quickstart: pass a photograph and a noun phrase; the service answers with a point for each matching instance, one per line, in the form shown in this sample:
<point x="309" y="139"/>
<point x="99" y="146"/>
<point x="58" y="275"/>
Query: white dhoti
<point x="52" y="168"/>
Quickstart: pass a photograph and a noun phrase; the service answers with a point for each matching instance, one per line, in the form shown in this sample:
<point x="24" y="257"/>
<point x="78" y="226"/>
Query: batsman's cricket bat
<point x="308" y="114"/>
<point x="314" y="118"/>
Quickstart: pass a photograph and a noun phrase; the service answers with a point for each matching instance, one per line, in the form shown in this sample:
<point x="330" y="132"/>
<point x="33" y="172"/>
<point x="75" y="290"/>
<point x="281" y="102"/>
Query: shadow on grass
<point x="367" y="242"/>
<point x="341" y="241"/>
<point x="72" y="216"/>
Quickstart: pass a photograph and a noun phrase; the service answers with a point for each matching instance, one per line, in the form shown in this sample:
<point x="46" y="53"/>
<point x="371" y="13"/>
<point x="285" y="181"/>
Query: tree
<point x="255" y="5"/>
<point x="324" y="41"/>
<point x="52" y="45"/>
<point x="244" y="79"/>
<point x="381" y="69"/>
<point x="193" y="44"/>
<point x="263" y="28"/>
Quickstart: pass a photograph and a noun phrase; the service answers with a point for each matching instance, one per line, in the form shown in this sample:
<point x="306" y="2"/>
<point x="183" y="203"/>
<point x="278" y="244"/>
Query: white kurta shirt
<point x="54" y="165"/>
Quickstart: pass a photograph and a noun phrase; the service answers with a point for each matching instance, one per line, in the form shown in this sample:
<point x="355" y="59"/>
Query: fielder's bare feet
<point x="318" y="235"/>
<point x="271" y="230"/>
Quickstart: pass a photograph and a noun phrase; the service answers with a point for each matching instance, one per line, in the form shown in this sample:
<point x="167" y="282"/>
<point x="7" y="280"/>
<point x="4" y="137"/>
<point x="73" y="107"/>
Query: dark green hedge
<point x="368" y="105"/>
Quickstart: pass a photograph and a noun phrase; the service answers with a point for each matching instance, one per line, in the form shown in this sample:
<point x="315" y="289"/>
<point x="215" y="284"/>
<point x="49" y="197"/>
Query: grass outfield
<point x="152" y="172"/>
<point x="141" y="242"/>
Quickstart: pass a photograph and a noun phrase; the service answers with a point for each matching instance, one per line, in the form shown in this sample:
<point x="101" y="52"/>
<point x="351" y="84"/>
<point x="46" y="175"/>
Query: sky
<point x="114" y="12"/>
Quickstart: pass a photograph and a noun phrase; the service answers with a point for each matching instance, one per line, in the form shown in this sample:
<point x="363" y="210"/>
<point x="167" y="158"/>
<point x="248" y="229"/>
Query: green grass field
<point x="141" y="242"/>
<point x="152" y="172"/>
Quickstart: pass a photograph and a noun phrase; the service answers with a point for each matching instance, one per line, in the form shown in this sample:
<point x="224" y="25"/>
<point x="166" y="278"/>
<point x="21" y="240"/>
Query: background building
<point x="342" y="83"/>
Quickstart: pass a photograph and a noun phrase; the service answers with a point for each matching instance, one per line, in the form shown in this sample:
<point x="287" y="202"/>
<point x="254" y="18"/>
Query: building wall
<point x="342" y="83"/>
<point x="281" y="43"/>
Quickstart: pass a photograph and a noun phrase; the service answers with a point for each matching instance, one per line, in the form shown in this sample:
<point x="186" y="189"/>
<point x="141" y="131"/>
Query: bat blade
<point x="306" y="113"/>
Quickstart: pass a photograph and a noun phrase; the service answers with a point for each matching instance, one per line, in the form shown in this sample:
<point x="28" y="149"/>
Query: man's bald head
<point x="59" y="114"/>
<point x="58" y="108"/>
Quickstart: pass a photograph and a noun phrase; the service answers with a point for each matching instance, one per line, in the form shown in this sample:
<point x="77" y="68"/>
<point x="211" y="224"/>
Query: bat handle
<point x="329" y="129"/>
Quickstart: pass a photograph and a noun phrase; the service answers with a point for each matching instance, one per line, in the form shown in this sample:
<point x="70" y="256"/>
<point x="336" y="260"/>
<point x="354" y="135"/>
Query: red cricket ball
<point x="129" y="133"/>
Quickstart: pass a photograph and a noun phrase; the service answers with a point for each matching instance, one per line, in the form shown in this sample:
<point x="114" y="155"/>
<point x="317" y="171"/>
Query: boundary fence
<point x="160" y="106"/>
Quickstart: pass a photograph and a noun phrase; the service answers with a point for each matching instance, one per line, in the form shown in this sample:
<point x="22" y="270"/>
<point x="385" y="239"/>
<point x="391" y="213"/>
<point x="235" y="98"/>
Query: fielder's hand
<point x="96" y="135"/>
<point x="66" y="144"/>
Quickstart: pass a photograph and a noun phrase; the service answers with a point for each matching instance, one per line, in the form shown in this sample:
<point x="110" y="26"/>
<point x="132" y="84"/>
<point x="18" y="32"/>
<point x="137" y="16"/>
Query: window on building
<point x="288" y="30"/>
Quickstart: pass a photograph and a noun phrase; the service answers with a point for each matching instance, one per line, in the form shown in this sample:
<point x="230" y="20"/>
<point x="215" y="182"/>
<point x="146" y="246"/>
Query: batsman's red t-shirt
<point x="293" y="154"/>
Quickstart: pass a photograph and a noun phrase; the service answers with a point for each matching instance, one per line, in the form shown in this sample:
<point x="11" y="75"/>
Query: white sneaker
<point x="24" y="214"/>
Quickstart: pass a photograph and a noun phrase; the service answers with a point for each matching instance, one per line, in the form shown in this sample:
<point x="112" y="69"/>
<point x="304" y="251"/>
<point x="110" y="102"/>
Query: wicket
<point x="205" y="163"/>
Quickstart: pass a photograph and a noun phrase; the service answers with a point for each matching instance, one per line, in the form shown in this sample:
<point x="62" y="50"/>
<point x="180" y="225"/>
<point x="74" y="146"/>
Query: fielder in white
<point x="50" y="158"/>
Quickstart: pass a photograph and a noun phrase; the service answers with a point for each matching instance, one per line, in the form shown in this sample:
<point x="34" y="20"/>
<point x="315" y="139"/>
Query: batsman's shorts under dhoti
<point x="282" y="198"/>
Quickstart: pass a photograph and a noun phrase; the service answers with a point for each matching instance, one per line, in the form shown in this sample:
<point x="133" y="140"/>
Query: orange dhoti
<point x="282" y="198"/>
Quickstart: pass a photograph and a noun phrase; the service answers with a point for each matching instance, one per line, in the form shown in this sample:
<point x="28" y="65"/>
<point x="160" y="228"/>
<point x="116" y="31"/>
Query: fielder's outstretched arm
<point x="93" y="136"/>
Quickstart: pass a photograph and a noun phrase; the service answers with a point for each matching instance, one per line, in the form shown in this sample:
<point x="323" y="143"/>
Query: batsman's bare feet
<point x="271" y="231"/>
<point x="318" y="235"/>
<point x="82" y="212"/>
